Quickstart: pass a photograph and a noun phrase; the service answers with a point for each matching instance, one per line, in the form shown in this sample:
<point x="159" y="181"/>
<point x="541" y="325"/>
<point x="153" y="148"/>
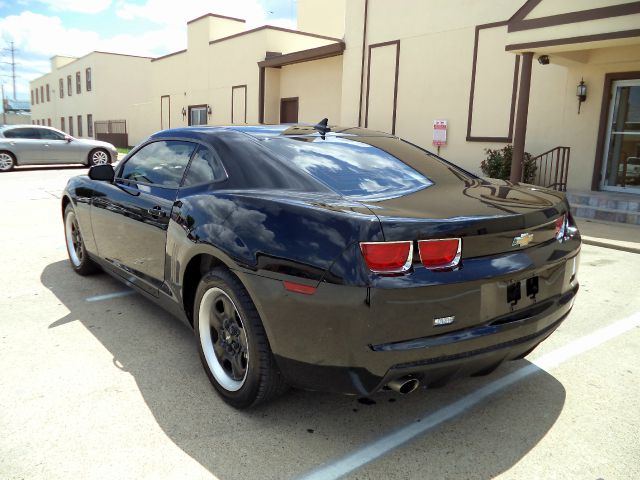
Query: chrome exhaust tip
<point x="403" y="385"/>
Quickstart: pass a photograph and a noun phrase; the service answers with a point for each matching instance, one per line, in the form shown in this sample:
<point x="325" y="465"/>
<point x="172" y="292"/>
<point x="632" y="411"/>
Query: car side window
<point x="205" y="167"/>
<point x="46" y="134"/>
<point x="159" y="163"/>
<point x="30" y="133"/>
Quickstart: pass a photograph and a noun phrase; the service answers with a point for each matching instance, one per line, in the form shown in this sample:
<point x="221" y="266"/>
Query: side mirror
<point x="103" y="173"/>
<point x="68" y="138"/>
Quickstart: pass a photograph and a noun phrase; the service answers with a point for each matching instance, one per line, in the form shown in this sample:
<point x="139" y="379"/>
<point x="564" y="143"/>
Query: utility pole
<point x="4" y="112"/>
<point x="13" y="69"/>
<point x="12" y="49"/>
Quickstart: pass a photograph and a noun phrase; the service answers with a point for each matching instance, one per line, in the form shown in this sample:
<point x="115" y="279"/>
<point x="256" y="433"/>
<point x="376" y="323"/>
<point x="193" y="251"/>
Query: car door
<point x="130" y="216"/>
<point x="25" y="144"/>
<point x="55" y="147"/>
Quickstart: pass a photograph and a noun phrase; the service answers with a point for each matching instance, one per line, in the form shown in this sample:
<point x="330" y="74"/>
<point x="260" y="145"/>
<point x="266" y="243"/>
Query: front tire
<point x="78" y="256"/>
<point x="232" y="342"/>
<point x="99" y="156"/>
<point x="7" y="161"/>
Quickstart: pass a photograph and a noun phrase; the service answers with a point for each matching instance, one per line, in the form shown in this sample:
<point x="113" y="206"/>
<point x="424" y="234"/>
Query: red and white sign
<point x="439" y="132"/>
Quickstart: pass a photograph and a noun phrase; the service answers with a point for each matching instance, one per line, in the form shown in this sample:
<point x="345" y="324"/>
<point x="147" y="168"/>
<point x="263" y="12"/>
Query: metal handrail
<point x="552" y="168"/>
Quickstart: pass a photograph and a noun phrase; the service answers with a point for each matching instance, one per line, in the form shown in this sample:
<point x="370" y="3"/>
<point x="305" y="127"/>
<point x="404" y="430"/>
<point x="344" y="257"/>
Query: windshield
<point x="352" y="168"/>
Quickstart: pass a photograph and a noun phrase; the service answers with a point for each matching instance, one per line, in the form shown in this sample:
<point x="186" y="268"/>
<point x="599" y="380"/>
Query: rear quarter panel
<point x="267" y="233"/>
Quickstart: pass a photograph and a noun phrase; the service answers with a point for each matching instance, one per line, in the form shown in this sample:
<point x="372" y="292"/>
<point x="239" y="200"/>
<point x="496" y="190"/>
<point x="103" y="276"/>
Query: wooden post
<point x="521" y="118"/>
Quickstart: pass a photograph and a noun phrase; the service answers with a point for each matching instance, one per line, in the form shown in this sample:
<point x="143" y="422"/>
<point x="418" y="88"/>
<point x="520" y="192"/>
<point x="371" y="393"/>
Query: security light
<point x="543" y="60"/>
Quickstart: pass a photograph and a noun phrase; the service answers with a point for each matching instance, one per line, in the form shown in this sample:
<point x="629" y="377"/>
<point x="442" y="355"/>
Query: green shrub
<point x="498" y="164"/>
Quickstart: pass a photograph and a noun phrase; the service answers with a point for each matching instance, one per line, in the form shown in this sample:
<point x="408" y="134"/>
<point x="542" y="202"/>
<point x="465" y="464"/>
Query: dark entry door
<point x="289" y="110"/>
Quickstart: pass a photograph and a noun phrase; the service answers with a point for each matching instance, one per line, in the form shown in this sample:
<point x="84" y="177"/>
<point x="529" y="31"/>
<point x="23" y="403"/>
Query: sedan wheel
<point x="78" y="257"/>
<point x="7" y="162"/>
<point x="232" y="343"/>
<point x="98" y="157"/>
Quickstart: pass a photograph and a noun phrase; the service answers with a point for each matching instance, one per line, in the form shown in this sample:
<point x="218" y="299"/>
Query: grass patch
<point x="123" y="151"/>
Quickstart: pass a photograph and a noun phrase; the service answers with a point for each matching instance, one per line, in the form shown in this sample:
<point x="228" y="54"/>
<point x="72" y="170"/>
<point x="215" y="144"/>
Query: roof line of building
<point x="317" y="53"/>
<point x="120" y="54"/>
<point x="91" y="53"/>
<point x="169" y="55"/>
<point x="217" y="16"/>
<point x="280" y="29"/>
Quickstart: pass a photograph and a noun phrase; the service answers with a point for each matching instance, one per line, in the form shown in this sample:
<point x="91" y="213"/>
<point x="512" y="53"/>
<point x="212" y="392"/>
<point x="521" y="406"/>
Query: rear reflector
<point x="438" y="254"/>
<point x="560" y="227"/>
<point x="388" y="257"/>
<point x="299" y="288"/>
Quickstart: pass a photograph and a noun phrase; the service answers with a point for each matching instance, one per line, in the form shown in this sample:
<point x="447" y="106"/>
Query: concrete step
<point x="605" y="214"/>
<point x="607" y="206"/>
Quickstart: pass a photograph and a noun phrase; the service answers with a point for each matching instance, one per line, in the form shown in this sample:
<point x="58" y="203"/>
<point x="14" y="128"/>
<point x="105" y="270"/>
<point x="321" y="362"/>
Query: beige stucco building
<point x="498" y="72"/>
<point x="98" y="87"/>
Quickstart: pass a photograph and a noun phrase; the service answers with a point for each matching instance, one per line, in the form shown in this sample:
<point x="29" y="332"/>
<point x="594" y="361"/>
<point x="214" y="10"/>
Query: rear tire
<point x="78" y="256"/>
<point x="232" y="342"/>
<point x="99" y="156"/>
<point x="7" y="161"/>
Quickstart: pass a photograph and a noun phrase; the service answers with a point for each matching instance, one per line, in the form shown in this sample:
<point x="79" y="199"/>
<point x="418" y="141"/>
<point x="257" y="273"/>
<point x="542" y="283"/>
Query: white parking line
<point x="108" y="296"/>
<point x="393" y="440"/>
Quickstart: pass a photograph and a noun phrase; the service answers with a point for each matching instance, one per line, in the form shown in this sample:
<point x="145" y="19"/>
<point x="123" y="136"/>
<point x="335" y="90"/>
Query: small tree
<point x="498" y="164"/>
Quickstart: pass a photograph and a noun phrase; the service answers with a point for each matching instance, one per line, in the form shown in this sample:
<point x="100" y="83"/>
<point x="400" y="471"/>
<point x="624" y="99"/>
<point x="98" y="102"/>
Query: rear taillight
<point x="387" y="257"/>
<point x="439" y="254"/>
<point x="560" y="227"/>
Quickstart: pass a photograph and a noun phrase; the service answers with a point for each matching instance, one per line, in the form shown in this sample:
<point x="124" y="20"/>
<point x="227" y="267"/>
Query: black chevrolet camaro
<point x="335" y="259"/>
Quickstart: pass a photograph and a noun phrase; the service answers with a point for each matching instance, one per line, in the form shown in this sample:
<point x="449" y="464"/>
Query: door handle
<point x="157" y="211"/>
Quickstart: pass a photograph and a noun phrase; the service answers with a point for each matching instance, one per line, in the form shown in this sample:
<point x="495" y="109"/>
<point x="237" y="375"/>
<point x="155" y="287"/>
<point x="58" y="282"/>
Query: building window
<point x="48" y="122"/>
<point x="68" y="85"/>
<point x="37" y="96"/>
<point x="48" y="93"/>
<point x="78" y="83"/>
<point x="61" y="88"/>
<point x="32" y="97"/>
<point x="87" y="74"/>
<point x="62" y="124"/>
<point x="89" y="125"/>
<point x="70" y="124"/>
<point x="42" y="94"/>
<point x="79" y="125"/>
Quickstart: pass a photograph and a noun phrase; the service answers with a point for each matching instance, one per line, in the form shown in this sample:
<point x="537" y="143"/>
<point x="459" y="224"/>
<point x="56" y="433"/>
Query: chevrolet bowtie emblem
<point x="522" y="240"/>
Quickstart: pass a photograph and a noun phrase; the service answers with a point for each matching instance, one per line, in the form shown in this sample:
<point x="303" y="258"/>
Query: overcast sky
<point x="43" y="28"/>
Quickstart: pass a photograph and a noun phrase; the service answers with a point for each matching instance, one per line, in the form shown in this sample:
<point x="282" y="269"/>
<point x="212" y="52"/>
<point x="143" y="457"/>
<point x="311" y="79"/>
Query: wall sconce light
<point x="581" y="93"/>
<point x="184" y="113"/>
<point x="208" y="110"/>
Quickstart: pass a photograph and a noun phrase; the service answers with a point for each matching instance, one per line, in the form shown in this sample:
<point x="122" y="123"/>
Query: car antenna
<point x="322" y="127"/>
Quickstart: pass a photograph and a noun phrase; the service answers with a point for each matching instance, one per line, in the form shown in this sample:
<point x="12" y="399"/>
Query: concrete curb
<point x="614" y="246"/>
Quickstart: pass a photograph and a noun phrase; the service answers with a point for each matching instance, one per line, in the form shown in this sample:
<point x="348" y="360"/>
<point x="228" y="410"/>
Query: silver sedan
<point x="38" y="145"/>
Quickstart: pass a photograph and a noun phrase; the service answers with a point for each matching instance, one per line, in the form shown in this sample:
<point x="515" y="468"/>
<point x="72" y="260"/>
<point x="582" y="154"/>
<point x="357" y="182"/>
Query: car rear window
<point x="351" y="167"/>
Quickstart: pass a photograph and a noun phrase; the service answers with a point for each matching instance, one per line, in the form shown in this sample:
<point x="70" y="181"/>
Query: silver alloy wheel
<point x="6" y="162"/>
<point x="74" y="239"/>
<point x="99" y="157"/>
<point x="223" y="339"/>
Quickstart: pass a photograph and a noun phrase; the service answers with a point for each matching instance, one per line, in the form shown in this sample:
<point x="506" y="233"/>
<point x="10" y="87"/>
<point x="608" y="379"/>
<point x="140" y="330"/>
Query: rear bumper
<point x="432" y="366"/>
<point x="355" y="339"/>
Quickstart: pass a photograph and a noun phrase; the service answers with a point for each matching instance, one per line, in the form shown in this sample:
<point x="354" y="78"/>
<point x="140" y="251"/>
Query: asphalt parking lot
<point x="97" y="382"/>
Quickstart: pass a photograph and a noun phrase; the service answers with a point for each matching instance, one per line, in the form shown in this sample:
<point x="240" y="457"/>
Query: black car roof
<point x="261" y="131"/>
